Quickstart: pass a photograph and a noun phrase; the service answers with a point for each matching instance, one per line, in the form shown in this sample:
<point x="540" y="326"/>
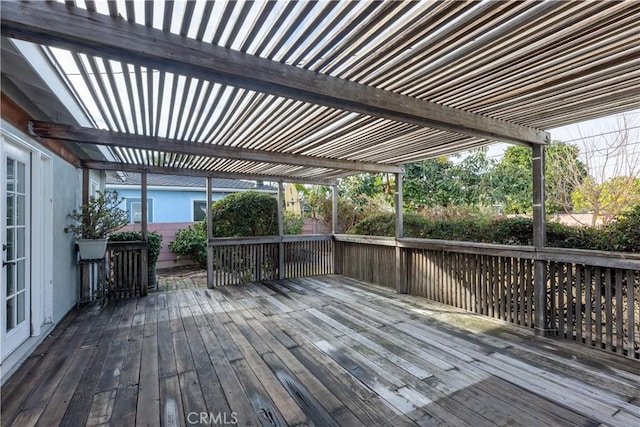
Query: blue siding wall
<point x="168" y="205"/>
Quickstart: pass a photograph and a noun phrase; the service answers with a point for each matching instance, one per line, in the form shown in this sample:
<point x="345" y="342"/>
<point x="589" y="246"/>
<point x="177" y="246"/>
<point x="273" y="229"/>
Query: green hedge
<point x="621" y="235"/>
<point x="154" y="240"/>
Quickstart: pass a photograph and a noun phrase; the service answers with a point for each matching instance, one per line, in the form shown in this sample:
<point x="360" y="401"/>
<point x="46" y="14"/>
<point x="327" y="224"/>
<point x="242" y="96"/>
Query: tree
<point x="612" y="164"/>
<point x="442" y="182"/>
<point x="511" y="179"/>
<point x="608" y="199"/>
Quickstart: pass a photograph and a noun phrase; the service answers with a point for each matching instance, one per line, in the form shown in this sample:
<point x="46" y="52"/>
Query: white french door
<point x="15" y="237"/>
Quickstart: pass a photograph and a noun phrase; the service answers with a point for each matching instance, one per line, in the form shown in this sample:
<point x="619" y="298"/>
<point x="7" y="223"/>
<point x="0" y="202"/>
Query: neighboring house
<point x="173" y="198"/>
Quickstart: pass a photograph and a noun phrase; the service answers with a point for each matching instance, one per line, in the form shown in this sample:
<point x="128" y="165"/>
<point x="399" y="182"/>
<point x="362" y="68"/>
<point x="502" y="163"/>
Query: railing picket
<point x="608" y="292"/>
<point x="632" y="300"/>
<point x="598" y="306"/>
<point x="561" y="292"/>
<point x="570" y="305"/>
<point x="579" y="302"/>
<point x="529" y="287"/>
<point x="590" y="306"/>
<point x="619" y="316"/>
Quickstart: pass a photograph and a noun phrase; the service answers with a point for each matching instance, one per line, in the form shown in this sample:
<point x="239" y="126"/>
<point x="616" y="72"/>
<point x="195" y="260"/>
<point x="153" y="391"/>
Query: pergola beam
<point x="54" y="24"/>
<point x="82" y="135"/>
<point x="129" y="167"/>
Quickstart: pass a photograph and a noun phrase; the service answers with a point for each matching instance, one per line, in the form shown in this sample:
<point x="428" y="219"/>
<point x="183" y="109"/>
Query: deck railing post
<point x="144" y="258"/>
<point x="542" y="326"/>
<point x="337" y="259"/>
<point x="280" y="231"/>
<point x="143" y="206"/>
<point x="210" y="272"/>
<point x="401" y="285"/>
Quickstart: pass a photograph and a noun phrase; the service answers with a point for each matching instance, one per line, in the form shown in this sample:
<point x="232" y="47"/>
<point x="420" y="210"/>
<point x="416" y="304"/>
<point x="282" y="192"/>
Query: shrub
<point x="154" y="242"/>
<point x="293" y="224"/>
<point x="511" y="231"/>
<point x="192" y="242"/>
<point x="621" y="235"/>
<point x="624" y="231"/>
<point x="249" y="213"/>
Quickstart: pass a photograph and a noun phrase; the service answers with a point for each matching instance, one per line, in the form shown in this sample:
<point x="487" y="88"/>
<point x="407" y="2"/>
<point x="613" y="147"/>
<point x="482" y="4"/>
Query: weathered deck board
<point x="313" y="351"/>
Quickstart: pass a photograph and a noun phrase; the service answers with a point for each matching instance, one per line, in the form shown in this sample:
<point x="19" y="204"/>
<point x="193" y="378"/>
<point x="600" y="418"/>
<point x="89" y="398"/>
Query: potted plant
<point x="94" y="221"/>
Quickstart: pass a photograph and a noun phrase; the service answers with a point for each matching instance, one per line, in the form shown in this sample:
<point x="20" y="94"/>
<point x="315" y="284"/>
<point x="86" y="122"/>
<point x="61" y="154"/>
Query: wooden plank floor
<point x="322" y="351"/>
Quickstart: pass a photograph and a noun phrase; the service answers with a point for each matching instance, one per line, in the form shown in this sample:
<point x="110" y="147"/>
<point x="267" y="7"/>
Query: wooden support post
<point x="144" y="206"/>
<point x="542" y="326"/>
<point x="337" y="257"/>
<point x="210" y="254"/>
<point x="280" y="231"/>
<point x="401" y="285"/>
<point x="334" y="210"/>
<point x="85" y="186"/>
<point x="144" y="261"/>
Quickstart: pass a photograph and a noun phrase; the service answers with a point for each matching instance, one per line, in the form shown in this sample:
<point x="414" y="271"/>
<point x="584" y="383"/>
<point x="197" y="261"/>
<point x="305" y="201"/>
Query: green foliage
<point x="192" y="242"/>
<point x="154" y="242"/>
<point x="98" y="218"/>
<point x="360" y="189"/>
<point x="419" y="226"/>
<point x="511" y="183"/>
<point x="621" y="235"/>
<point x="624" y="231"/>
<point x="293" y="223"/>
<point x="248" y="213"/>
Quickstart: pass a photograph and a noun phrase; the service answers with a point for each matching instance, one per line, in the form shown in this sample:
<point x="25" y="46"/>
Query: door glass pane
<point x="11" y="323"/>
<point x="10" y="175"/>
<point x="20" y="210"/>
<point x="20" y="178"/>
<point x="11" y="247"/>
<point x="21" y="307"/>
<point x="20" y="269"/>
<point x="11" y="274"/>
<point x="10" y="213"/>
<point x="20" y="246"/>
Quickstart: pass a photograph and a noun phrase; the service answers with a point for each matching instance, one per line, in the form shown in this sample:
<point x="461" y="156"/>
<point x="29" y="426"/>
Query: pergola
<point x="312" y="91"/>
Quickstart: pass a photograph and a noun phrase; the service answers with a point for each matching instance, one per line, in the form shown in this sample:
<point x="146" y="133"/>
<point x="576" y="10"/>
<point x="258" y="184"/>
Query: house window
<point x="134" y="207"/>
<point x="199" y="210"/>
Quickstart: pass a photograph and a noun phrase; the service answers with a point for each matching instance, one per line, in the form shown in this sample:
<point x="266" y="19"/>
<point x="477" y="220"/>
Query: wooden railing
<point x="308" y="255"/>
<point x="248" y="259"/>
<point x="127" y="269"/>
<point x="592" y="297"/>
<point x="370" y="259"/>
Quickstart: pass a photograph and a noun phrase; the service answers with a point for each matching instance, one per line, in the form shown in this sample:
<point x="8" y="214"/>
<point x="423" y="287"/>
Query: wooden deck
<point x="316" y="351"/>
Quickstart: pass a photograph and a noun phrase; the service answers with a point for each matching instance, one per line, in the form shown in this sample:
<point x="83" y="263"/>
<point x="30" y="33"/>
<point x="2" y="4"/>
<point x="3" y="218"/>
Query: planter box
<point x="92" y="248"/>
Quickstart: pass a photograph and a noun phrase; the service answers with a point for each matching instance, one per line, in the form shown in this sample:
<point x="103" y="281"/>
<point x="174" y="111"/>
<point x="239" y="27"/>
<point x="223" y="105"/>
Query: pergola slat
<point x="122" y="40"/>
